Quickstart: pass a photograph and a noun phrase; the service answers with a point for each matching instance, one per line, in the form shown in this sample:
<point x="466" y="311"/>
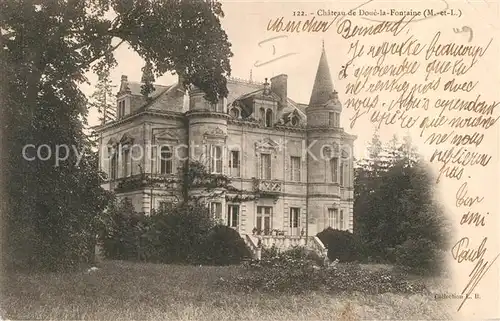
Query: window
<point x="334" y="119"/>
<point x="113" y="168"/>
<point x="295" y="168"/>
<point x="262" y="114"/>
<point x="264" y="214"/>
<point x="343" y="173"/>
<point x="295" y="121"/>
<point x="269" y="118"/>
<point x="235" y="113"/>
<point x="216" y="159"/>
<point x="336" y="220"/>
<point x="233" y="212"/>
<point x="121" y="108"/>
<point x="333" y="218"/>
<point x="166" y="160"/>
<point x="334" y="167"/>
<point x="265" y="166"/>
<point x="218" y="107"/>
<point x="125" y="162"/>
<point x="234" y="163"/>
<point x="294" y="217"/>
<point x="327" y="152"/>
<point x="216" y="210"/>
<point x="164" y="205"/>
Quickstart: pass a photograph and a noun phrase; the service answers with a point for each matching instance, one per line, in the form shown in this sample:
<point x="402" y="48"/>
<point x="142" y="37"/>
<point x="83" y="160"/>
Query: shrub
<point x="341" y="245"/>
<point x="174" y="235"/>
<point x="268" y="253"/>
<point x="224" y="246"/>
<point x="295" y="258"/>
<point x="419" y="256"/>
<point x="177" y="234"/>
<point x="344" y="278"/>
<point x="122" y="230"/>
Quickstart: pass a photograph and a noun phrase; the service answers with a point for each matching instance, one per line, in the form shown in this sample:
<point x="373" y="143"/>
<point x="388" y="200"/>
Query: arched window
<point x="113" y="168"/>
<point x="326" y="152"/>
<point x="269" y="118"/>
<point x="235" y="113"/>
<point x="295" y="121"/>
<point x="166" y="160"/>
<point x="262" y="116"/>
<point x="125" y="161"/>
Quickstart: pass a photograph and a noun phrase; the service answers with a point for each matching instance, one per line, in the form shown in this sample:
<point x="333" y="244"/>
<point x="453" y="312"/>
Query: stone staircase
<point x="282" y="243"/>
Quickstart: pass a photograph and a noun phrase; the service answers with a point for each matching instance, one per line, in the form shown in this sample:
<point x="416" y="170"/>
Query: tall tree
<point x="102" y="98"/>
<point x="147" y="80"/>
<point x="47" y="47"/>
<point x="394" y="207"/>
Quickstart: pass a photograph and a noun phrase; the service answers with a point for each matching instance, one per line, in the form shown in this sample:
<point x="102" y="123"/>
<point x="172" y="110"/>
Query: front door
<point x="264" y="214"/>
<point x="294" y="221"/>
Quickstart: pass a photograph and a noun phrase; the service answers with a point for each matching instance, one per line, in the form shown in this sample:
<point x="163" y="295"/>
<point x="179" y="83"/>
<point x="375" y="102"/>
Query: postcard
<point x="251" y="160"/>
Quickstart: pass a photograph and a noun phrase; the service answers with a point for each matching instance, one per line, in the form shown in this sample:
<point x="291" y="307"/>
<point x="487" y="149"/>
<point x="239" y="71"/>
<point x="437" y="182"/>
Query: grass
<point x="141" y="291"/>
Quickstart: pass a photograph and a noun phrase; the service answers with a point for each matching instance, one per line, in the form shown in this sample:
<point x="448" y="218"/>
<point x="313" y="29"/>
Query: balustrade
<point x="270" y="186"/>
<point x="282" y="242"/>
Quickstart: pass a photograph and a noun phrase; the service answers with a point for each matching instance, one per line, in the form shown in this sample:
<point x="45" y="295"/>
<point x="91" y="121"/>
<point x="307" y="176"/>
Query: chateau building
<point x="296" y="158"/>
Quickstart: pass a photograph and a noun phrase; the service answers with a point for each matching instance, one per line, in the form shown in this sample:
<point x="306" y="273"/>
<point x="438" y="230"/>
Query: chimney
<point x="279" y="87"/>
<point x="124" y="84"/>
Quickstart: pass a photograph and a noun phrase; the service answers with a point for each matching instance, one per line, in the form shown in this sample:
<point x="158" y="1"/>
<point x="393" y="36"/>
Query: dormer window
<point x="334" y="119"/>
<point x="235" y="113"/>
<point x="295" y="121"/>
<point x="269" y="118"/>
<point x="262" y="114"/>
<point x="121" y="108"/>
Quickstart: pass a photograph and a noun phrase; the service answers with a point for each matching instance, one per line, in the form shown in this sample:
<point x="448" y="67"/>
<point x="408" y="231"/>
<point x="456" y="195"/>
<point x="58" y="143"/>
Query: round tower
<point x="207" y="130"/>
<point x="329" y="161"/>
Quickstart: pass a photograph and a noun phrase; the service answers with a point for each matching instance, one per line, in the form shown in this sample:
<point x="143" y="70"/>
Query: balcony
<point x="141" y="181"/>
<point x="267" y="187"/>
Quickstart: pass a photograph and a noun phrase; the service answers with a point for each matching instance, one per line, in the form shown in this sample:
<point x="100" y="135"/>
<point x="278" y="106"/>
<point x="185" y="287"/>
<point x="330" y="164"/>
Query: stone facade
<point x="295" y="157"/>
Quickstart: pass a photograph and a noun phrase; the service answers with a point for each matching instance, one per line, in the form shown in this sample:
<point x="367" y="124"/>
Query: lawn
<point x="140" y="291"/>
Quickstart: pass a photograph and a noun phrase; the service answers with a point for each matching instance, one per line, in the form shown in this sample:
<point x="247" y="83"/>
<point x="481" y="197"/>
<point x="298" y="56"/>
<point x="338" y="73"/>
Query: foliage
<point x="297" y="257"/>
<point x="103" y="99"/>
<point x="147" y="80"/>
<point x="122" y="230"/>
<point x="53" y="207"/>
<point x="304" y="278"/>
<point x="395" y="208"/>
<point x="195" y="175"/>
<point x="419" y="255"/>
<point x="184" y="232"/>
<point x="224" y="246"/>
<point x="123" y="290"/>
<point x="187" y="227"/>
<point x="341" y="245"/>
<point x="172" y="235"/>
<point x="47" y="47"/>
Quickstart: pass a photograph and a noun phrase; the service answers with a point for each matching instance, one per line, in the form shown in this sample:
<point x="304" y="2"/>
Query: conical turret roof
<point x="323" y="85"/>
